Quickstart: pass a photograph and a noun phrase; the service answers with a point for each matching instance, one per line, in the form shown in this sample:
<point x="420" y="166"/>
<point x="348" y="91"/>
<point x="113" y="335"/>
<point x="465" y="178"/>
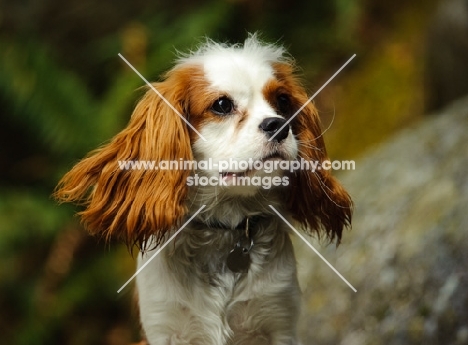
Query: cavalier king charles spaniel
<point x="229" y="277"/>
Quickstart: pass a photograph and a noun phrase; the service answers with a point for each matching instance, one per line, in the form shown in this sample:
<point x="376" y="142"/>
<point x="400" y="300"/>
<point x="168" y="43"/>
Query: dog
<point x="229" y="275"/>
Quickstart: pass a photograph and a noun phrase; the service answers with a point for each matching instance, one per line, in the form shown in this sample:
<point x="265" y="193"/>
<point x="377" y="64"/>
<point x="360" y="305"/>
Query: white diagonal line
<point x="161" y="96"/>
<point x="161" y="248"/>
<point x="313" y="96"/>
<point x="311" y="247"/>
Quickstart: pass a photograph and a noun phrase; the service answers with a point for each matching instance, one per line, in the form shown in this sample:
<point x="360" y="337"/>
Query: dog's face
<point x="248" y="105"/>
<point x="242" y="108"/>
<point x="233" y="103"/>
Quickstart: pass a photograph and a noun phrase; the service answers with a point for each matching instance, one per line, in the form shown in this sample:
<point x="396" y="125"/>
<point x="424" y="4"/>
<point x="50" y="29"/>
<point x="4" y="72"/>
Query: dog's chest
<point x="218" y="255"/>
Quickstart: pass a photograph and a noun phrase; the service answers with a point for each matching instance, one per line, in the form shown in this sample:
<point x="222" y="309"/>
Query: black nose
<point x="271" y="126"/>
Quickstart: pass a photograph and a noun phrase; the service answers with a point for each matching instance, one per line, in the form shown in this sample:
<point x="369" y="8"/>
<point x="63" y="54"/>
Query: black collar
<point x="250" y="221"/>
<point x="216" y="224"/>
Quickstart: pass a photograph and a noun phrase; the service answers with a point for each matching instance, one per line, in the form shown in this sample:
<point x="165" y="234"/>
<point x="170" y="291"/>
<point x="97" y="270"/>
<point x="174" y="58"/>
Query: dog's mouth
<point x="274" y="156"/>
<point x="229" y="175"/>
<point x="254" y="167"/>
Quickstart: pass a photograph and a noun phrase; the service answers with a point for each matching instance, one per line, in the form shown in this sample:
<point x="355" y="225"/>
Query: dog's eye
<point x="222" y="106"/>
<point x="284" y="104"/>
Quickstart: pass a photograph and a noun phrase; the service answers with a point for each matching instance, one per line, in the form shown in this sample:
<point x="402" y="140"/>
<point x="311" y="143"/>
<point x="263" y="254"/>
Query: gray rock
<point x="407" y="254"/>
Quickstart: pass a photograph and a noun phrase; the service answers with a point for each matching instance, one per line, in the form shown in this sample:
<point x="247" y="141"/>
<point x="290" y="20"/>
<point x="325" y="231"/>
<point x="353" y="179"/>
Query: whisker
<point x="329" y="126"/>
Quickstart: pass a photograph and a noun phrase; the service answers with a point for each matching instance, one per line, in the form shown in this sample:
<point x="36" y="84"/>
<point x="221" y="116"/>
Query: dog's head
<point x="226" y="106"/>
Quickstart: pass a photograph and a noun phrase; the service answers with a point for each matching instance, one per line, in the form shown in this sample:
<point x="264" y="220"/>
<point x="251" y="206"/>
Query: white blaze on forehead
<point x="236" y="74"/>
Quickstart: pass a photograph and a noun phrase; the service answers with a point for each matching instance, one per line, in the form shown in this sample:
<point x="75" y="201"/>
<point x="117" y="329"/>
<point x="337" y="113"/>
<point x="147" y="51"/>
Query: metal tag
<point x="238" y="260"/>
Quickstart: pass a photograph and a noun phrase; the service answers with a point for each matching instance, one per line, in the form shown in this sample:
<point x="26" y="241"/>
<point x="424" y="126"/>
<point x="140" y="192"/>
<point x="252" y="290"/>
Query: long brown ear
<point x="134" y="204"/>
<point x="317" y="199"/>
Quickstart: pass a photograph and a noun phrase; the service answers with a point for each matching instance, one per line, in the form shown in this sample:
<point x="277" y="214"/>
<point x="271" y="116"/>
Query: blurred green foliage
<point x="64" y="91"/>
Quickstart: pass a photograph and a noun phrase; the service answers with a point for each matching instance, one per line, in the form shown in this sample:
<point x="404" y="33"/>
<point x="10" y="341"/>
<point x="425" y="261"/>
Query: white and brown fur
<point x="187" y="294"/>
